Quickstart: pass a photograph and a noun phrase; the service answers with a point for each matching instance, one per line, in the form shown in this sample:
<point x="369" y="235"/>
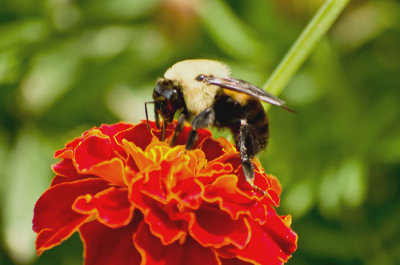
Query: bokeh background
<point x="67" y="65"/>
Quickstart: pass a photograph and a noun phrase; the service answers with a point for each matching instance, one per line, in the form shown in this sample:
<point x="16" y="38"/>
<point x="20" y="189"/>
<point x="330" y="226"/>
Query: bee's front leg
<point x="202" y="120"/>
<point x="178" y="128"/>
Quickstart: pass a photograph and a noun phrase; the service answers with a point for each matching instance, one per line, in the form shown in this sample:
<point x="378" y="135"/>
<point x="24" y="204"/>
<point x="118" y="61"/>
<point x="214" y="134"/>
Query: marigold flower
<point x="136" y="200"/>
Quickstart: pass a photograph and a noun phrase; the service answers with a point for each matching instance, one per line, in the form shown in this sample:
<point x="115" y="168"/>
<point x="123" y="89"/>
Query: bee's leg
<point x="164" y="127"/>
<point x="244" y="155"/>
<point x="244" y="140"/>
<point x="178" y="128"/>
<point x="203" y="119"/>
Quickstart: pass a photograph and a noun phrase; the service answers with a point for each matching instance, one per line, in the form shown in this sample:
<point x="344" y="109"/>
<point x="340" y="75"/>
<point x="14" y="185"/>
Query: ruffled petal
<point x="65" y="168"/>
<point x="188" y="251"/>
<point x="182" y="138"/>
<point x="271" y="243"/>
<point x="60" y="179"/>
<point x="111" y="131"/>
<point x="157" y="132"/>
<point x="232" y="200"/>
<point x="68" y="151"/>
<point x="212" y="149"/>
<point x="213" y="171"/>
<point x="212" y="227"/>
<point x="54" y="220"/>
<point x="233" y="261"/>
<point x="263" y="181"/>
<point x="139" y="135"/>
<point x="93" y="150"/>
<point x="186" y="189"/>
<point x="66" y="172"/>
<point x="157" y="218"/>
<point x="107" y="246"/>
<point x="95" y="155"/>
<point x="110" y="206"/>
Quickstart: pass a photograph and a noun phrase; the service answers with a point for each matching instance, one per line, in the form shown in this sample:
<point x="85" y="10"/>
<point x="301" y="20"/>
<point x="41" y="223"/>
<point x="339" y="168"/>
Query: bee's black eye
<point x="200" y="77"/>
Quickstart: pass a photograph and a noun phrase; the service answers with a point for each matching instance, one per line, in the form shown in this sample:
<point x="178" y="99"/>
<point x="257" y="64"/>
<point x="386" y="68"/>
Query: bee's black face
<point x="167" y="100"/>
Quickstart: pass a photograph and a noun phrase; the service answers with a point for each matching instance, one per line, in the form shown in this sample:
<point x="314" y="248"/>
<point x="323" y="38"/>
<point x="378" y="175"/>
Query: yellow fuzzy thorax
<point x="198" y="95"/>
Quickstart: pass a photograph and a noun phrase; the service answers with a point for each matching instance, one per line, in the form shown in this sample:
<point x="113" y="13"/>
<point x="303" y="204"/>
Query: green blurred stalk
<point x="304" y="45"/>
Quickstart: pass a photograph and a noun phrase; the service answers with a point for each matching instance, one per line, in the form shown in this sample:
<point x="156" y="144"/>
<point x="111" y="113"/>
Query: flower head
<point x="136" y="200"/>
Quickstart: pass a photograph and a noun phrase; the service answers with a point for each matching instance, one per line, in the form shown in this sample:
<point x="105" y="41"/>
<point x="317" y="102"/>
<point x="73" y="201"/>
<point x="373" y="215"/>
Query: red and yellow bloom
<point x="136" y="200"/>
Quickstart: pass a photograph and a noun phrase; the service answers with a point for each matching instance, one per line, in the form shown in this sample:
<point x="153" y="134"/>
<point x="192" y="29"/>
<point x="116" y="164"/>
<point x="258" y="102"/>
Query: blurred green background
<point x="66" y="66"/>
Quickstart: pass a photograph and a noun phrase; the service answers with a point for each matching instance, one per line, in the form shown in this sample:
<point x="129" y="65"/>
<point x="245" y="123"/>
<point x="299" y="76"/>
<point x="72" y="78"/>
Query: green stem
<point x="304" y="45"/>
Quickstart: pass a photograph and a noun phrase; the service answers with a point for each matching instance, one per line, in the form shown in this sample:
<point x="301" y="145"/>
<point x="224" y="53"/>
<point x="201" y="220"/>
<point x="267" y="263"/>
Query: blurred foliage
<point x="66" y="66"/>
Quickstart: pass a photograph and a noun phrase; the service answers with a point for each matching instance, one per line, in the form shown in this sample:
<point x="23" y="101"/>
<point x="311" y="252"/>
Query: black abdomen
<point x="229" y="113"/>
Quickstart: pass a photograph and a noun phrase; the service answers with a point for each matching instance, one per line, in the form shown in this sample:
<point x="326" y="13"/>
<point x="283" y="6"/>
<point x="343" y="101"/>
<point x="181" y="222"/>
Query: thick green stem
<point x="304" y="45"/>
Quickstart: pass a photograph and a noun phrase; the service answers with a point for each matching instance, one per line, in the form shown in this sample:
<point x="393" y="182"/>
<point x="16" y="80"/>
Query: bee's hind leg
<point x="202" y="120"/>
<point x="245" y="140"/>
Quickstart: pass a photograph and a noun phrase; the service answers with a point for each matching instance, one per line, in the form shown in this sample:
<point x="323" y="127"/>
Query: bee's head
<point x="167" y="100"/>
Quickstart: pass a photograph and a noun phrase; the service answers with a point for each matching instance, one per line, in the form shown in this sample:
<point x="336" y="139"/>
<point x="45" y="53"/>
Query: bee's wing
<point x="242" y="86"/>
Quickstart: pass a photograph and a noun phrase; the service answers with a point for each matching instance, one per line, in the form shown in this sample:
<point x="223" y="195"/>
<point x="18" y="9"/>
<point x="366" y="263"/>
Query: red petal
<point x="275" y="190"/>
<point x="164" y="184"/>
<point x="111" y="206"/>
<point x="212" y="149"/>
<point x="155" y="253"/>
<point x="157" y="132"/>
<point x="153" y="185"/>
<point x="92" y="151"/>
<point x="212" y="227"/>
<point x="60" y="179"/>
<point x="232" y="200"/>
<point x="186" y="190"/>
<point x="64" y="153"/>
<point x="159" y="221"/>
<point x="48" y="238"/>
<point x="183" y="136"/>
<point x="139" y="159"/>
<point x="65" y="168"/>
<point x="211" y="172"/>
<point x="233" y="261"/>
<point x="67" y="152"/>
<point x="112" y="130"/>
<point x="111" y="171"/>
<point x="278" y="228"/>
<point x="272" y="243"/>
<point x="130" y="162"/>
<point x="96" y="156"/>
<point x="66" y="172"/>
<point x="107" y="246"/>
<point x="54" y="218"/>
<point x="139" y="135"/>
<point x="261" y="180"/>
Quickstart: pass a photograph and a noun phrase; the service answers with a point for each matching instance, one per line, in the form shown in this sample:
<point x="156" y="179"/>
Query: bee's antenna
<point x="147" y="116"/>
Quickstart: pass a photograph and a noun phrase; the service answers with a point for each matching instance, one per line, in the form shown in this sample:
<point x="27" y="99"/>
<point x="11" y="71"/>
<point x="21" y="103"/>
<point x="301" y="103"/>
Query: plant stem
<point x="304" y="45"/>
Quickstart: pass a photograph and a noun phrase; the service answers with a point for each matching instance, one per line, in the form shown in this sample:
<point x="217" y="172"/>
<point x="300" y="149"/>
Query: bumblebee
<point x="204" y="90"/>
